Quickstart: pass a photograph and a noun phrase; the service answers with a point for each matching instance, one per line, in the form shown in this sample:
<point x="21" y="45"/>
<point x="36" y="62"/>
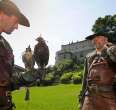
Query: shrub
<point x="76" y="78"/>
<point x="76" y="67"/>
<point x="49" y="79"/>
<point x="64" y="65"/>
<point x="66" y="78"/>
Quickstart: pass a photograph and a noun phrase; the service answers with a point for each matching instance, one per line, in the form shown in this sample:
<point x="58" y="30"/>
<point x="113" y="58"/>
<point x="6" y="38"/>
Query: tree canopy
<point x="106" y="25"/>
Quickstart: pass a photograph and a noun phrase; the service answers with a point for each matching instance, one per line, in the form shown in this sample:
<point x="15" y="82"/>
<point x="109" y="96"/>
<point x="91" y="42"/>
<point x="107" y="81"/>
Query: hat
<point x="39" y="39"/>
<point x="96" y="34"/>
<point x="10" y="8"/>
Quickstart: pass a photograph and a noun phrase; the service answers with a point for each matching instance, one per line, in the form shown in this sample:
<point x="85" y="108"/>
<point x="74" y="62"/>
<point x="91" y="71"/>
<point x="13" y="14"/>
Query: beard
<point x="99" y="46"/>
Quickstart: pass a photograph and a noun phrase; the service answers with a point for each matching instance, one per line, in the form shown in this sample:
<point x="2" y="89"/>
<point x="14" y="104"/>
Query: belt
<point x="100" y="88"/>
<point x="5" y="98"/>
<point x="4" y="92"/>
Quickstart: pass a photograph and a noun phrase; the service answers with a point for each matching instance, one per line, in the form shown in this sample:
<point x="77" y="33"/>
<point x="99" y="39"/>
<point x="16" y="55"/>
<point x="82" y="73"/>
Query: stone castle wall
<point x="77" y="51"/>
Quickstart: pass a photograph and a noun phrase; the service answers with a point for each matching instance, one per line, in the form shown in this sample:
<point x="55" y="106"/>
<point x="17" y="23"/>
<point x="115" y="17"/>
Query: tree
<point x="106" y="25"/>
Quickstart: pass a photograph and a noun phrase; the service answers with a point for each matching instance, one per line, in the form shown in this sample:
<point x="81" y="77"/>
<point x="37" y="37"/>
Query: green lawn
<point x="60" y="97"/>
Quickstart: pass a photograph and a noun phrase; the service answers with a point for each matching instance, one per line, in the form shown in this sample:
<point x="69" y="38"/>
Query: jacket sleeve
<point x="111" y="51"/>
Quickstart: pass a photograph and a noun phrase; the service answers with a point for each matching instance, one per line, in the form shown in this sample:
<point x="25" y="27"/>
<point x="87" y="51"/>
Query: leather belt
<point x="4" y="92"/>
<point x="100" y="88"/>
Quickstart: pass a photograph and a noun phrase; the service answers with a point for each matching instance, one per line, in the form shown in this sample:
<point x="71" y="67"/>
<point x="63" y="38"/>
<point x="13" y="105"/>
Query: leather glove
<point x="104" y="52"/>
<point x="111" y="51"/>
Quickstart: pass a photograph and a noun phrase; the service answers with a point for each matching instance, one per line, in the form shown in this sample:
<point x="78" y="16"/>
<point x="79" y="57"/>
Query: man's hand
<point x="104" y="52"/>
<point x="107" y="45"/>
<point x="111" y="51"/>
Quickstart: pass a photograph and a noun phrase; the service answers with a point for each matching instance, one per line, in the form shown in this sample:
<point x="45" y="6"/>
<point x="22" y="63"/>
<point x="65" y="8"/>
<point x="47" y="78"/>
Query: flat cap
<point x="90" y="37"/>
<point x="9" y="8"/>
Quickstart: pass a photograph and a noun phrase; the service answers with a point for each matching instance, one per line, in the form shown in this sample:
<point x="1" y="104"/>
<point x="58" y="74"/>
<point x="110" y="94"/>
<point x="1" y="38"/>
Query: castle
<point x="76" y="51"/>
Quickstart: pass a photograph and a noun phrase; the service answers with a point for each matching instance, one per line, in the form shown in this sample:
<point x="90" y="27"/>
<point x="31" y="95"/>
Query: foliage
<point x="64" y="65"/>
<point x="77" y="78"/>
<point x="60" y="97"/>
<point x="76" y="67"/>
<point x="64" y="70"/>
<point x="49" y="76"/>
<point x="49" y="79"/>
<point x="81" y="67"/>
<point x="106" y="25"/>
<point x="49" y="68"/>
<point x="66" y="78"/>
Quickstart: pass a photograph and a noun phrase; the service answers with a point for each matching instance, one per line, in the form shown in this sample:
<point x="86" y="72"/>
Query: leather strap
<point x="100" y="88"/>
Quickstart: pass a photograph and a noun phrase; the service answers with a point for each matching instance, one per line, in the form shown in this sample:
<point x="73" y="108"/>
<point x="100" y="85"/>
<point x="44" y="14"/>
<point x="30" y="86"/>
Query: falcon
<point x="41" y="53"/>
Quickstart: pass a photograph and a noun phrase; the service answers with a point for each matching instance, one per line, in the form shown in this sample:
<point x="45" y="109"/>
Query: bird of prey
<point x="41" y="53"/>
<point x="28" y="59"/>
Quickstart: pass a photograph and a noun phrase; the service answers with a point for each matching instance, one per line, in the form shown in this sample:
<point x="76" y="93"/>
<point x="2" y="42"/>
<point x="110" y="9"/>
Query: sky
<point x="59" y="22"/>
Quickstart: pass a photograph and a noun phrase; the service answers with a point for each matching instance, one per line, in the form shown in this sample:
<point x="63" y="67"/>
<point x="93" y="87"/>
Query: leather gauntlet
<point x="112" y="53"/>
<point x="109" y="51"/>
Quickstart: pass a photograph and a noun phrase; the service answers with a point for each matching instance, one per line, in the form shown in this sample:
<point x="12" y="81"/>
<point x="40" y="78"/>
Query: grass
<point x="60" y="97"/>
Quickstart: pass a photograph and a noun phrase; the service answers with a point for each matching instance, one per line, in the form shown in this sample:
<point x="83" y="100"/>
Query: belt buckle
<point x="7" y="93"/>
<point x="93" y="88"/>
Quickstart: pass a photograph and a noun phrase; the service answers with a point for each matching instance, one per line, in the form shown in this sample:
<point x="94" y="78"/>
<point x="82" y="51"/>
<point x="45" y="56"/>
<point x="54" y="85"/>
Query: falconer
<point x="10" y="17"/>
<point x="99" y="80"/>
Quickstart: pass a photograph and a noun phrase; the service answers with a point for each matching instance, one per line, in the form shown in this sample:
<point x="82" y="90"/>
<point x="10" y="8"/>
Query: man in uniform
<point x="10" y="17"/>
<point x="99" y="80"/>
